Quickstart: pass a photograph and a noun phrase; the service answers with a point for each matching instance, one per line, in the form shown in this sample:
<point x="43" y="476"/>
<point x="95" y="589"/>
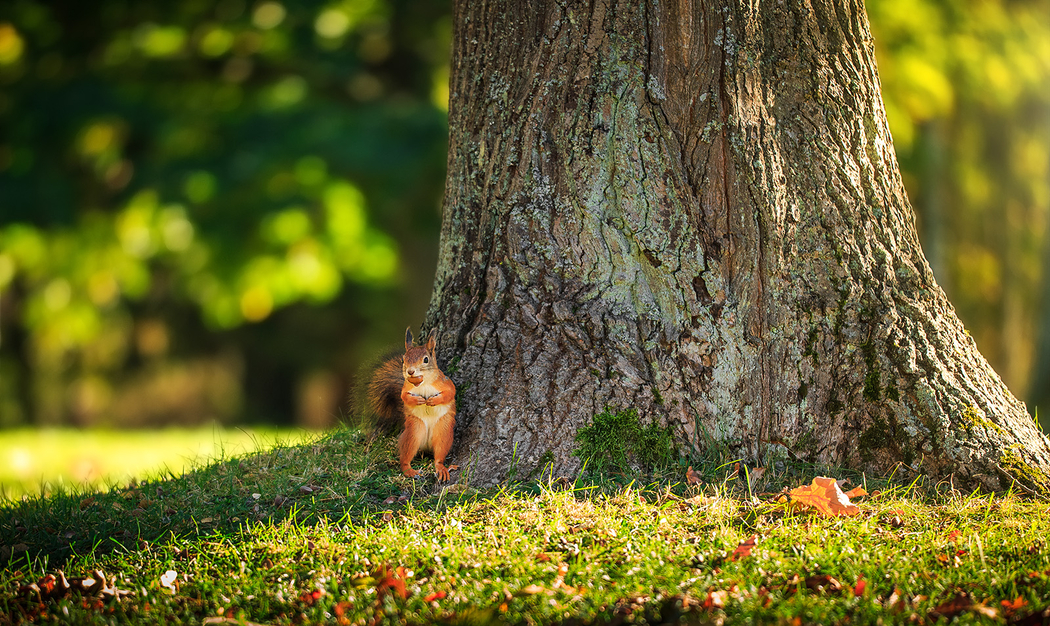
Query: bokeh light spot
<point x="268" y="15"/>
<point x="11" y="44"/>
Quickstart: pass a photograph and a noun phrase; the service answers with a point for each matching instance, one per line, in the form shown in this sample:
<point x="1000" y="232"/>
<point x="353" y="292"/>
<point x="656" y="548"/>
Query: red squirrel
<point x="412" y="388"/>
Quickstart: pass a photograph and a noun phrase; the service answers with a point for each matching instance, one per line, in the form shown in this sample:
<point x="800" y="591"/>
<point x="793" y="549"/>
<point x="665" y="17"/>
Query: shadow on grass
<point x="342" y="476"/>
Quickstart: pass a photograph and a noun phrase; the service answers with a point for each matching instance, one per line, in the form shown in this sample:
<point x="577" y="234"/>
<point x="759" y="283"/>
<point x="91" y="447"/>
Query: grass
<point x="329" y="532"/>
<point x="40" y="461"/>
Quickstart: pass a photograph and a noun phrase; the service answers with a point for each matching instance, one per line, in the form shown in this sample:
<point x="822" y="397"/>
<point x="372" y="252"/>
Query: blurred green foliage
<point x="967" y="92"/>
<point x="216" y="210"/>
<point x="173" y="172"/>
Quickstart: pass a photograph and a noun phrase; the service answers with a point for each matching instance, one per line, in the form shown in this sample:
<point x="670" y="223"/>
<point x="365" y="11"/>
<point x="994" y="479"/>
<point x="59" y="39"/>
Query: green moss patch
<point x="616" y="438"/>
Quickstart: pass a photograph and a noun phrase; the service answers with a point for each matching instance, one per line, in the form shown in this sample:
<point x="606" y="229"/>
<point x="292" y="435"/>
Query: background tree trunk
<point x="694" y="209"/>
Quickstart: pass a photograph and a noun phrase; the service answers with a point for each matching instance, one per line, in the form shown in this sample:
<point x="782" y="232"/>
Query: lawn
<point x="36" y="461"/>
<point x="328" y="531"/>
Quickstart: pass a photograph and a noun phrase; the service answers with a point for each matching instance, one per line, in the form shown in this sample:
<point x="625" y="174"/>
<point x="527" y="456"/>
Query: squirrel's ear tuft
<point x="408" y="338"/>
<point x="431" y="342"/>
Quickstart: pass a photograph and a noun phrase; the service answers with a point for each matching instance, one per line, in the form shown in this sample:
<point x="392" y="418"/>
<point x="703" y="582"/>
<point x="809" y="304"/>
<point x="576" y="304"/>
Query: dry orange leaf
<point x="390" y="581"/>
<point x="744" y="549"/>
<point x="1015" y="605"/>
<point x="824" y="495"/>
<point x="858" y="589"/>
<point x="856" y="492"/>
<point x="691" y="477"/>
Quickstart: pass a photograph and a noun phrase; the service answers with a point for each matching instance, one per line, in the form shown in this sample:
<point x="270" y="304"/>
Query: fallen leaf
<point x="823" y="583"/>
<point x="391" y="581"/>
<point x="167" y="580"/>
<point x="342" y="608"/>
<point x="691" y="477"/>
<point x="743" y="550"/>
<point x="531" y="590"/>
<point x="1018" y="603"/>
<point x="957" y="605"/>
<point x="1038" y="618"/>
<point x="559" y="579"/>
<point x="437" y="595"/>
<point x="896" y="601"/>
<point x="856" y="492"/>
<point x="824" y="495"/>
<point x="858" y="589"/>
<point x="952" y="536"/>
<point x="716" y="599"/>
<point x="52" y="587"/>
<point x="757" y="473"/>
<point x="311" y="597"/>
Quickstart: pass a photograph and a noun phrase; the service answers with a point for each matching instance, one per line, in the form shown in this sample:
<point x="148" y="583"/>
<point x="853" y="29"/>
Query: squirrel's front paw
<point x="442" y="473"/>
<point x="409" y="472"/>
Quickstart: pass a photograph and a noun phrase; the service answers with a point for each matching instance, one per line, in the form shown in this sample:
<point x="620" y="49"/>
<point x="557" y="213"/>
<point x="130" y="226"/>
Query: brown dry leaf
<point x="691" y="477"/>
<point x="531" y="590"/>
<point x="757" y="473"/>
<point x="960" y="603"/>
<point x="51" y="587"/>
<point x="559" y="580"/>
<point x="824" y="495"/>
<point x="823" y="583"/>
<point x="744" y="549"/>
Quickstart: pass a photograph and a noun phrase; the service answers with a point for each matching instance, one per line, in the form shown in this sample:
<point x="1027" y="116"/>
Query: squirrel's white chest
<point x="429" y="415"/>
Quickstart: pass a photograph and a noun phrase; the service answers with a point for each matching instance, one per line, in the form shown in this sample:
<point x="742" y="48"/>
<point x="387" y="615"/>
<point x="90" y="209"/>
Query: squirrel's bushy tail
<point x="383" y="408"/>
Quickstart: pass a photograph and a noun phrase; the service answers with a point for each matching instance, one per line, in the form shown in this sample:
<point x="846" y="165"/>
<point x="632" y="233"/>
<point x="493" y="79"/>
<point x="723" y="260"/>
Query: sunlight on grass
<point x="39" y="461"/>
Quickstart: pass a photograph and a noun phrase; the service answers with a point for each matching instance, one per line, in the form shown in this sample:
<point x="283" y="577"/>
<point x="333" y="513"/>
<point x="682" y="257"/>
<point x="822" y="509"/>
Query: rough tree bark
<point x="694" y="209"/>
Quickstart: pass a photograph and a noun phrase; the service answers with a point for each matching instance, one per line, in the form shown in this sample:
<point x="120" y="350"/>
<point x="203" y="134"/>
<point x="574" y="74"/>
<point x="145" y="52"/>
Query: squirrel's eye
<point x="426" y="359"/>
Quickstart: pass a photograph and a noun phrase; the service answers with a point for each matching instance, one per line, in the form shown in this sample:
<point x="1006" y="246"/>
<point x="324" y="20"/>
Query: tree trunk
<point x="694" y="209"/>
